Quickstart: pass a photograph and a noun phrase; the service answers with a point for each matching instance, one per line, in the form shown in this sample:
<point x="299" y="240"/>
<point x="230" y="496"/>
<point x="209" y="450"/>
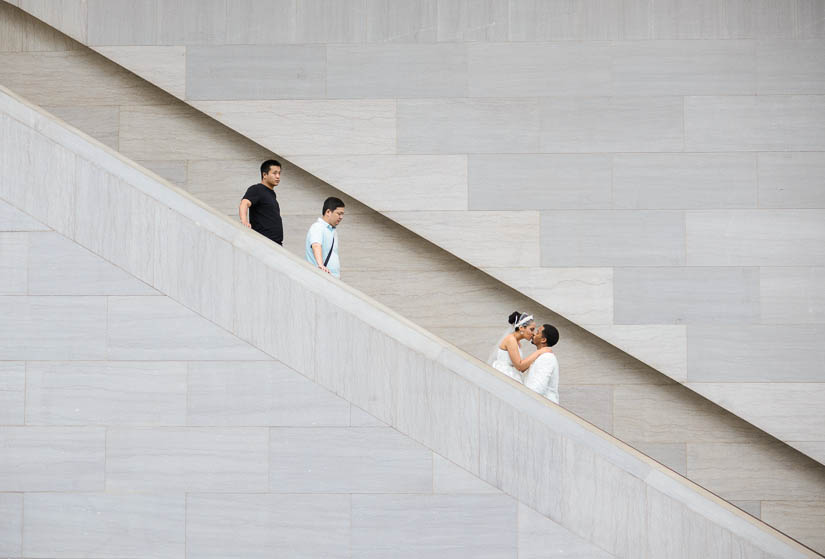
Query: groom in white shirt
<point x="543" y="374"/>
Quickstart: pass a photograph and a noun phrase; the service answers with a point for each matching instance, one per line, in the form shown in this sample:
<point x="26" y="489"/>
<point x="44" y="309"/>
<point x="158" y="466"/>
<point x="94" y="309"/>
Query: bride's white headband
<point x="525" y="318"/>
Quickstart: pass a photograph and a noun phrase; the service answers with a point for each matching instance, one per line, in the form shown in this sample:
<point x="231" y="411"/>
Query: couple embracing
<point x="540" y="370"/>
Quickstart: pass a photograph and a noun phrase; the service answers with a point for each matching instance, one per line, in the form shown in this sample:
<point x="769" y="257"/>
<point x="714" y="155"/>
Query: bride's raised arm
<point x="522" y="364"/>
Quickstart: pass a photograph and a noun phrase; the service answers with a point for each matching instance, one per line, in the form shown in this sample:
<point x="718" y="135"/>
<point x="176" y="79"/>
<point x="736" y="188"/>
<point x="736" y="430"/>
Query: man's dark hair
<point x="550" y="334"/>
<point x="332" y="203"/>
<point x="267" y="164"/>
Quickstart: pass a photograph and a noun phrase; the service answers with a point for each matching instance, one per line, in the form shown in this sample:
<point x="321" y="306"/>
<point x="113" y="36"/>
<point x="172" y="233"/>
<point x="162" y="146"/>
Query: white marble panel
<point x="164" y="66"/>
<point x="791" y="67"/>
<point x="52" y="327"/>
<point x="672" y="455"/>
<point x="69" y="16"/>
<point x="395" y="182"/>
<point x="685" y="180"/>
<point x="800" y="520"/>
<point x="754" y="123"/>
<point x="606" y="124"/>
<point x="331" y="21"/>
<point x="11" y="529"/>
<point x="810" y="19"/>
<point x="612" y="238"/>
<point x="756" y="353"/>
<point x="541" y="538"/>
<point x="468" y="126"/>
<point x="790" y="411"/>
<point x="401" y="21"/>
<point x="160" y="328"/>
<point x="702" y="19"/>
<point x="538" y="20"/>
<point x="122" y="22"/>
<point x="663" y="347"/>
<point x="14" y="252"/>
<point x="539" y="69"/>
<point x="775" y="19"/>
<point x="434" y="526"/>
<point x="12" y="392"/>
<point x="255" y="526"/>
<point x="347" y="460"/>
<point x="101" y="123"/>
<point x="753" y="508"/>
<point x="814" y="449"/>
<point x="259" y="393"/>
<point x="793" y="295"/>
<point x="105" y="393"/>
<point x="539" y="181"/>
<point x="176" y="460"/>
<point x="52" y="458"/>
<point x="450" y="479"/>
<point x="487" y="249"/>
<point x="12" y="219"/>
<point x="58" y="266"/>
<point x="440" y="409"/>
<point x="602" y="503"/>
<point x="755" y="237"/>
<point x="191" y="22"/>
<point x="313" y="126"/>
<point x="360" y="418"/>
<point x="792" y="180"/>
<point x="403" y="71"/>
<point x="594" y="404"/>
<point x="473" y="20"/>
<point x="684" y="68"/>
<point x="235" y="72"/>
<point x="260" y="22"/>
<point x="174" y="172"/>
<point x="104" y="526"/>
<point x="583" y="295"/>
<point x="12" y="25"/>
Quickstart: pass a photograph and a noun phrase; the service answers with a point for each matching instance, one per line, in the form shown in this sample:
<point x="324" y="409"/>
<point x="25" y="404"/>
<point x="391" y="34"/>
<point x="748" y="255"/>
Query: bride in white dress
<point x="507" y="356"/>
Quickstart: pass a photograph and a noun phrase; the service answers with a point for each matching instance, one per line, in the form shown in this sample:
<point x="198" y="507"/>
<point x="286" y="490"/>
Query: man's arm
<point x="243" y="212"/>
<point x="316" y="251"/>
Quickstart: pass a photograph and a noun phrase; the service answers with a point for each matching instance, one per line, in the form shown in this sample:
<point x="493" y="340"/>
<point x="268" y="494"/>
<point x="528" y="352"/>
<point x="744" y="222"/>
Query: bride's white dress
<point x="504" y="364"/>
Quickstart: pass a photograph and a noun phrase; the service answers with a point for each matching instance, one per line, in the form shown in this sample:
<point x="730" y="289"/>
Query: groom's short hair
<point x="550" y="334"/>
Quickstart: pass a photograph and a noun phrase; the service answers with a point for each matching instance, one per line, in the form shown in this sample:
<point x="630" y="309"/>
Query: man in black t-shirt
<point x="261" y="204"/>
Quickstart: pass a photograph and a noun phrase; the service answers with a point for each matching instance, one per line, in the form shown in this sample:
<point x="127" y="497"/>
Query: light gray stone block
<point x="177" y="460"/>
<point x="165" y="66"/>
<point x="468" y="126"/>
<point x="404" y="71"/>
<point x="401" y="21"/>
<point x="672" y="455"/>
<point x="11" y="529"/>
<point x="450" y="479"/>
<point x="791" y="67"/>
<point x="235" y="72"/>
<point x="612" y="238"/>
<point x="538" y="182"/>
<point x="774" y="19"/>
<point x="160" y="328"/>
<point x="607" y="124"/>
<point x="800" y="520"/>
<point x="191" y="22"/>
<point x="792" y="180"/>
<point x="684" y="180"/>
<point x="537" y="20"/>
<point x="684" y="68"/>
<point x="792" y="295"/>
<point x="331" y="21"/>
<point x="173" y="171"/>
<point x="52" y="458"/>
<point x="12" y="219"/>
<point x="471" y="20"/>
<point x="541" y="538"/>
<point x="347" y="460"/>
<point x="122" y="22"/>
<point x="12" y="392"/>
<point x="753" y="508"/>
<point x="52" y="327"/>
<point x="594" y="404"/>
<point x="69" y="16"/>
<point x="360" y="418"/>
<point x="12" y="23"/>
<point x="602" y="503"/>
<point x="702" y="19"/>
<point x="437" y="526"/>
<point x="259" y="393"/>
<point x="14" y="252"/>
<point x="539" y="69"/>
<point x="755" y="237"/>
<point x="521" y="456"/>
<point x="101" y="123"/>
<point x="105" y="526"/>
<point x="680" y="295"/>
<point x="59" y="266"/>
<point x="755" y="123"/>
<point x="105" y="393"/>
<point x="254" y="526"/>
<point x="755" y="353"/>
<point x="810" y="19"/>
<point x="260" y="22"/>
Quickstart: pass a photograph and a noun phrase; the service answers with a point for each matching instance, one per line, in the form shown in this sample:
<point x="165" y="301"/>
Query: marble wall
<point x="403" y="271"/>
<point x="150" y="420"/>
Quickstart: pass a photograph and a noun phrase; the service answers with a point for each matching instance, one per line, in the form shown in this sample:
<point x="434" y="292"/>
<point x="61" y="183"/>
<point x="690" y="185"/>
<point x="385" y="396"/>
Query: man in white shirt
<point x="543" y="374"/>
<point x="322" y="238"/>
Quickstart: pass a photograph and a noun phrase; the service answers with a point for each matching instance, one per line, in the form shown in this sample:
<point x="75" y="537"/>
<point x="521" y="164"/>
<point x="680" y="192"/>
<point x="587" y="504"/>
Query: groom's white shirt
<point x="543" y="376"/>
